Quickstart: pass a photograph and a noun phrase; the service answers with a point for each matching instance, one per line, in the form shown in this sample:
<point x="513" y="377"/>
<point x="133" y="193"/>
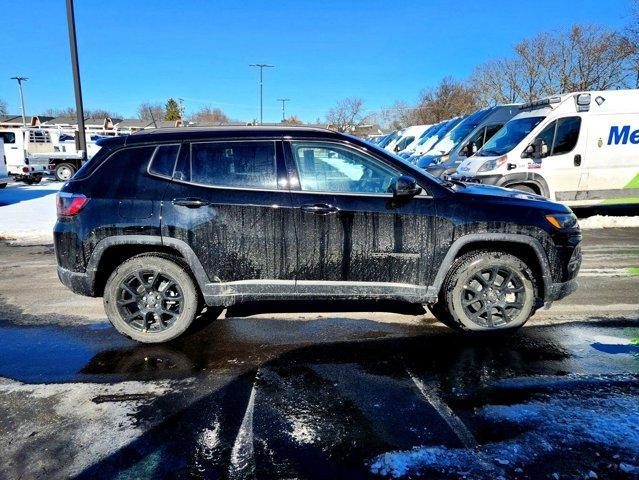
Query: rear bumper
<point x="78" y="282"/>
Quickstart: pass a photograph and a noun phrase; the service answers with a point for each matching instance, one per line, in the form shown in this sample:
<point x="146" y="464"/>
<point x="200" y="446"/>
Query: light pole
<point x="261" y="66"/>
<point x="283" y="100"/>
<point x="79" y="110"/>
<point x="20" y="80"/>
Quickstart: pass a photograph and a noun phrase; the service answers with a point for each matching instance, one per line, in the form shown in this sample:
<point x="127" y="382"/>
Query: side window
<point x="547" y="135"/>
<point x="234" y="164"/>
<point x="123" y="174"/>
<point x="325" y="167"/>
<point x="163" y="160"/>
<point x="8" y="137"/>
<point x="490" y="131"/>
<point x="567" y="135"/>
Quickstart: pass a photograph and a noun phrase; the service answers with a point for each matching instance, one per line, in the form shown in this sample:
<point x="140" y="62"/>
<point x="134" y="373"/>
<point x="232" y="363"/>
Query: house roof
<point x="134" y="122"/>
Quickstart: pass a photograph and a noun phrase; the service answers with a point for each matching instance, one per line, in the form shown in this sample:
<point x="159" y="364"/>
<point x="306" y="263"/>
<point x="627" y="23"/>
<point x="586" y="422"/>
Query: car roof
<point x="202" y="133"/>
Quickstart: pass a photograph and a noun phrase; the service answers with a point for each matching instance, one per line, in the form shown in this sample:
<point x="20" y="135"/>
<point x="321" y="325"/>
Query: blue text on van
<point x="623" y="135"/>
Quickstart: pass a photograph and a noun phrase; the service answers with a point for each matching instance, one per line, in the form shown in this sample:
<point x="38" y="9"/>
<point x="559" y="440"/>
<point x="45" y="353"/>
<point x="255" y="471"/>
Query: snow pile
<point x="608" y="423"/>
<point x="28" y="213"/>
<point x="606" y="221"/>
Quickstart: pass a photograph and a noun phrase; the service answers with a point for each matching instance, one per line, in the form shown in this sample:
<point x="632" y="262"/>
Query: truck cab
<point x="579" y="148"/>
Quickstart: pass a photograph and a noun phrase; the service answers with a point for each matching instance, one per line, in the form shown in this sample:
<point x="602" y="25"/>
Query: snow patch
<point x="28" y="213"/>
<point x="607" y="221"/>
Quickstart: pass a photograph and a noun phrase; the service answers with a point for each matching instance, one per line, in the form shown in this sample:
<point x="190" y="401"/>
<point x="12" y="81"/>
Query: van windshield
<point x="461" y="131"/>
<point x="509" y="136"/>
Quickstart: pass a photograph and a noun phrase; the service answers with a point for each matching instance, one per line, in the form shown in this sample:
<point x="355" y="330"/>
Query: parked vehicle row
<point x="578" y="148"/>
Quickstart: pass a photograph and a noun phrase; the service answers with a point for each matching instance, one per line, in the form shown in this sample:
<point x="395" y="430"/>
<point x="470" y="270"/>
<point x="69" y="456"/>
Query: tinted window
<point x="332" y="168"/>
<point x="567" y="135"/>
<point x="509" y="136"/>
<point x="235" y="164"/>
<point x="164" y="160"/>
<point x="490" y="131"/>
<point x="123" y="174"/>
<point x="8" y="137"/>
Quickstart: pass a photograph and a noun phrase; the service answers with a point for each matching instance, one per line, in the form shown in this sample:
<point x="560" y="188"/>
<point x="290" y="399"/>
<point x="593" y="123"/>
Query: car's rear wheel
<point x="487" y="291"/>
<point x="151" y="299"/>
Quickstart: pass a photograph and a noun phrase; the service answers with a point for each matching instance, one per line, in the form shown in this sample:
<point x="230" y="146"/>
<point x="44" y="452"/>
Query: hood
<point x="472" y="164"/>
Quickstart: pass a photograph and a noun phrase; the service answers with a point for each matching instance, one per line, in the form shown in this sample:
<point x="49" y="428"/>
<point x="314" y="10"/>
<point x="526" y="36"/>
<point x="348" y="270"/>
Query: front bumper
<point x="78" y="282"/>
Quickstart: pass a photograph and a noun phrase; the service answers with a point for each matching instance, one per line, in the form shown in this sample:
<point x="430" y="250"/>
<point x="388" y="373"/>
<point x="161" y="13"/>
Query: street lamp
<point x="283" y="100"/>
<point x="261" y="66"/>
<point x="77" y="86"/>
<point x="20" y="80"/>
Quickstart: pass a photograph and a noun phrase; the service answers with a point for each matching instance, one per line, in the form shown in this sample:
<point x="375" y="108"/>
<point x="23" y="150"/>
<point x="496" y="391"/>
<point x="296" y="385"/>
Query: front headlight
<point x="493" y="164"/>
<point x="563" y="221"/>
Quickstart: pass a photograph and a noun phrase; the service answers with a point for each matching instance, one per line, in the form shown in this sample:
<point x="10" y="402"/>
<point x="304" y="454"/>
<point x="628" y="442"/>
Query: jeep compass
<point x="166" y="222"/>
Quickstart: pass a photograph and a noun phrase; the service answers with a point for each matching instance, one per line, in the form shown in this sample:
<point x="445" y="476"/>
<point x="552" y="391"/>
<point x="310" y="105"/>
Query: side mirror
<point x="397" y="148"/>
<point x="471" y="149"/>
<point x="405" y="187"/>
<point x="541" y="149"/>
<point x="530" y="149"/>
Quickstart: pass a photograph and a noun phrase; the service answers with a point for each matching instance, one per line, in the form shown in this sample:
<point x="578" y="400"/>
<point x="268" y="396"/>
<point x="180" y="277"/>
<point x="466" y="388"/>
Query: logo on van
<point x="623" y="135"/>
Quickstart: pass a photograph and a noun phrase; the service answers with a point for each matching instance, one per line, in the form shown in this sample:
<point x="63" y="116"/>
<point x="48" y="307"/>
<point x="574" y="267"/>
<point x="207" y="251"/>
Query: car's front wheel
<point x="487" y="291"/>
<point x="151" y="298"/>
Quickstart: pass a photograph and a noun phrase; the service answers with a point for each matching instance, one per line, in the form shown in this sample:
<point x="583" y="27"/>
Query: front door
<point x="349" y="228"/>
<point x="226" y="203"/>
<point x="562" y="164"/>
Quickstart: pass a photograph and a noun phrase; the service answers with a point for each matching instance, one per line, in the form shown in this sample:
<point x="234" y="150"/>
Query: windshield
<point x="509" y="136"/>
<point x="428" y="144"/>
<point x="460" y="132"/>
<point x="389" y="138"/>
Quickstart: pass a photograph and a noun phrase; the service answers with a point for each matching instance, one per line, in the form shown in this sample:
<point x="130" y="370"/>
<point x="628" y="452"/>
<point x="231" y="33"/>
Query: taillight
<point x="25" y="169"/>
<point x="69" y="204"/>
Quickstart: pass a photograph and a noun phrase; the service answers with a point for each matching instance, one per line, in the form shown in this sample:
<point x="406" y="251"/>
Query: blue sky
<point x="381" y="51"/>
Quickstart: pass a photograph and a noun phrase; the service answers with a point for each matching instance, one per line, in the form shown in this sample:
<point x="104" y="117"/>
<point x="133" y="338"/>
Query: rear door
<point x="350" y="232"/>
<point x="226" y="201"/>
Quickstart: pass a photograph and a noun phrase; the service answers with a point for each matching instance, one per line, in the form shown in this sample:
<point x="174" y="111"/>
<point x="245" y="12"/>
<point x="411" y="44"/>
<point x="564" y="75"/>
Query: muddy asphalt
<point x="325" y="395"/>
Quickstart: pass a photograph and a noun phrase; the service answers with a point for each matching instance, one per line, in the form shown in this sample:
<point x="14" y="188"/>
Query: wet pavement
<point x="325" y="396"/>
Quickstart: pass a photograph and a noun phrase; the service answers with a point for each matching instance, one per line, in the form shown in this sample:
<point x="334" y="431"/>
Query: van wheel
<point x="64" y="172"/>
<point x="523" y="188"/>
<point x="151" y="299"/>
<point x="486" y="291"/>
<point x="2" y="185"/>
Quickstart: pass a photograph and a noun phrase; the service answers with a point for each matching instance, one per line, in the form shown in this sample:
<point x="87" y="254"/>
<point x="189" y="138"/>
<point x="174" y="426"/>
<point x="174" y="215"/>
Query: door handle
<point x="577" y="160"/>
<point x="319" y="208"/>
<point x="190" y="202"/>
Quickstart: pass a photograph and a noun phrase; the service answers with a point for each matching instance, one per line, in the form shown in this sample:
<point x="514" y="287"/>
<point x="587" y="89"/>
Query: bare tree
<point x="58" y="112"/>
<point x="292" y="120"/>
<point x="70" y="112"/>
<point x="632" y="37"/>
<point x="449" y="99"/>
<point x="346" y="114"/>
<point x="150" y="111"/>
<point x="586" y="57"/>
<point x="209" y="114"/>
<point x="3" y="107"/>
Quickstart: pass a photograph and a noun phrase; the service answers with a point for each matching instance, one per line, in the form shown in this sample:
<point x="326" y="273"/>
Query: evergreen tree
<point x="172" y="110"/>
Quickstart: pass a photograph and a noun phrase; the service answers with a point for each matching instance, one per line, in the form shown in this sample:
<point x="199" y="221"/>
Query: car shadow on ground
<point x="20" y="193"/>
<point x="330" y="410"/>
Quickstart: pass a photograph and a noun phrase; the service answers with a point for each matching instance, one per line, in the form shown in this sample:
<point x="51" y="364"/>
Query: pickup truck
<point x="31" y="153"/>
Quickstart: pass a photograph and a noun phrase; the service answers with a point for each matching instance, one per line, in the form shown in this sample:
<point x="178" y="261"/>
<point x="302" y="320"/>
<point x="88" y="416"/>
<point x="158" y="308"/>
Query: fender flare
<point x="501" y="237"/>
<point x="117" y="240"/>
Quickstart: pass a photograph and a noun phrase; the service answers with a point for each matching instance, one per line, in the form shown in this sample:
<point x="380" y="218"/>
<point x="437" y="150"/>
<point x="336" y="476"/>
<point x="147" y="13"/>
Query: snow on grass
<point x="28" y="213"/>
<point x="607" y="422"/>
<point x="607" y="221"/>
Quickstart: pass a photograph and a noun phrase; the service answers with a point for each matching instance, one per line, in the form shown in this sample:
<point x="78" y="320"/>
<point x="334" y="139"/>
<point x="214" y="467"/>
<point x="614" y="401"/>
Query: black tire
<point x="478" y="295"/>
<point x="37" y="179"/>
<point x="151" y="298"/>
<point x="29" y="180"/>
<point x="64" y="171"/>
<point x="2" y="185"/>
<point x="523" y="188"/>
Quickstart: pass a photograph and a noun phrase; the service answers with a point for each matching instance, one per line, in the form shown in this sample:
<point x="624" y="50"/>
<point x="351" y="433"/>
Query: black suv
<point x="166" y="222"/>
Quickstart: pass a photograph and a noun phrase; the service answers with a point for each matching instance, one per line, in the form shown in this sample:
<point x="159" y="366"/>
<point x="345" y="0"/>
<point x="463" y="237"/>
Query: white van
<point x="578" y="148"/>
<point x="4" y="175"/>
<point x="406" y="137"/>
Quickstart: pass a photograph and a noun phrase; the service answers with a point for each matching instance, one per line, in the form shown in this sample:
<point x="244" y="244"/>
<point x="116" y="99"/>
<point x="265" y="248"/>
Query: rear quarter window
<point x="122" y="174"/>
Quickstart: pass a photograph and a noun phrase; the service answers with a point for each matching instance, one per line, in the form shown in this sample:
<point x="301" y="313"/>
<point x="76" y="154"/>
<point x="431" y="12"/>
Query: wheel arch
<point x="517" y="244"/>
<point x="532" y="179"/>
<point x="112" y="251"/>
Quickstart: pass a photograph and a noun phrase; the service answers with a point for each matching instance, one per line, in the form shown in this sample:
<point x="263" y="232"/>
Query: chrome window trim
<point x="154" y="174"/>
